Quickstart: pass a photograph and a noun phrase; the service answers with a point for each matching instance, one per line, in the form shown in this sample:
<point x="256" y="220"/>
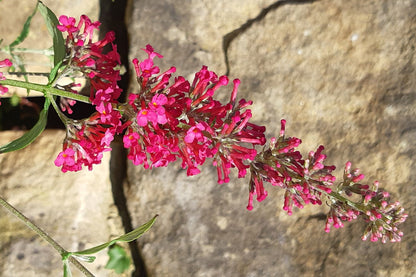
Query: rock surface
<point x="343" y="75"/>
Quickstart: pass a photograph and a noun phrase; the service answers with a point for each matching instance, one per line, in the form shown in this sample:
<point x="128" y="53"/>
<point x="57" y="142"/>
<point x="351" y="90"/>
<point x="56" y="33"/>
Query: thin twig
<point x="44" y="236"/>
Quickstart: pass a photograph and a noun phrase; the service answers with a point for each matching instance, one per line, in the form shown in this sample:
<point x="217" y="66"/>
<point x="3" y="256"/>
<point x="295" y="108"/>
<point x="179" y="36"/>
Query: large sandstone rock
<point x="342" y="74"/>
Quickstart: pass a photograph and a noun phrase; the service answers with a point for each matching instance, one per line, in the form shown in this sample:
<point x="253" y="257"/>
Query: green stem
<point x="63" y="118"/>
<point x="44" y="236"/>
<point x="339" y="197"/>
<point x="18" y="74"/>
<point x="46" y="52"/>
<point x="45" y="89"/>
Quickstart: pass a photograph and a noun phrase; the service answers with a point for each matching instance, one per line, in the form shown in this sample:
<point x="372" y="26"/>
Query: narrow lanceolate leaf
<point x="58" y="40"/>
<point x="136" y="233"/>
<point x="30" y="136"/>
<point x="54" y="72"/>
<point x="25" y="30"/>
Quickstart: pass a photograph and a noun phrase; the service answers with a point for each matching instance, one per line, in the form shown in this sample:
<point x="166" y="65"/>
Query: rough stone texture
<point x="76" y="209"/>
<point x="342" y="74"/>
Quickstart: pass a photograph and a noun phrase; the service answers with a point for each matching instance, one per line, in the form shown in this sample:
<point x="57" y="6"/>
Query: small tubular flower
<point x="167" y="120"/>
<point x="4" y="63"/>
<point x="90" y="59"/>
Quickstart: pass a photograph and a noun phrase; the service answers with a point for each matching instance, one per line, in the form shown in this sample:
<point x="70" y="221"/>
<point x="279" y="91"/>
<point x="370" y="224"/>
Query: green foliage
<point x="135" y="234"/>
<point x="54" y="72"/>
<point x="25" y="30"/>
<point x="67" y="270"/>
<point x="119" y="261"/>
<point x="30" y="136"/>
<point x="59" y="54"/>
<point x="17" y="61"/>
<point x="22" y="36"/>
<point x="58" y="40"/>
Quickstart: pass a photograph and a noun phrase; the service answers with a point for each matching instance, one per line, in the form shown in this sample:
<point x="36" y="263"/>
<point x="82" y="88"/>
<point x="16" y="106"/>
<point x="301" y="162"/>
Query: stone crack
<point x="113" y="18"/>
<point x="229" y="37"/>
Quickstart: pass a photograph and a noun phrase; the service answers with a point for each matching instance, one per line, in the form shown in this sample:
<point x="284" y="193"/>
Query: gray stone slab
<point x="342" y="74"/>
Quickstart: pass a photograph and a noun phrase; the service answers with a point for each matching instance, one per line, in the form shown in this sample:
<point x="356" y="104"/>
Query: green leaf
<point x="54" y="72"/>
<point x="58" y="40"/>
<point x="67" y="270"/>
<point x="30" y="136"/>
<point x="85" y="258"/>
<point x="136" y="233"/>
<point x="25" y="30"/>
<point x="118" y="260"/>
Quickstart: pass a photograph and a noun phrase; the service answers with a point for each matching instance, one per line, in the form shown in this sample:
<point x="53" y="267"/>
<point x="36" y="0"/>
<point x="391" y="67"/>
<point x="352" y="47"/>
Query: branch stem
<point x="45" y="89"/>
<point x="8" y="50"/>
<point x="44" y="236"/>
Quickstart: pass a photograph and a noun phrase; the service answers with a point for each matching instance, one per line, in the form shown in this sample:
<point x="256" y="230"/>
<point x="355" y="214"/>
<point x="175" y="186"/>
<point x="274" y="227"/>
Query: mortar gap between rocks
<point x="113" y="18"/>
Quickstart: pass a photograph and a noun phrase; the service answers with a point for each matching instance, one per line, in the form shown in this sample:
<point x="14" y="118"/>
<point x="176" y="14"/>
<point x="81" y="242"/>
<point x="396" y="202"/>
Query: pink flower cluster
<point x="163" y="122"/>
<point x="183" y="121"/>
<point x="374" y="205"/>
<point x="281" y="165"/>
<point x="85" y="142"/>
<point x="309" y="181"/>
<point x="4" y="63"/>
<point x="171" y="119"/>
<point x="88" y="57"/>
<point x="87" y="139"/>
